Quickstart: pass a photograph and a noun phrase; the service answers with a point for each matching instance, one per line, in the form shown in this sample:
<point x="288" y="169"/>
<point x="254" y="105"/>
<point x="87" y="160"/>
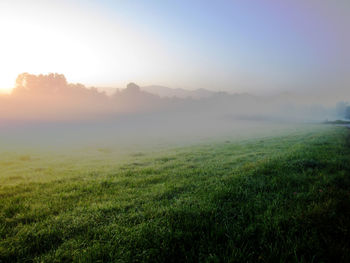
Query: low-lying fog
<point x="47" y="111"/>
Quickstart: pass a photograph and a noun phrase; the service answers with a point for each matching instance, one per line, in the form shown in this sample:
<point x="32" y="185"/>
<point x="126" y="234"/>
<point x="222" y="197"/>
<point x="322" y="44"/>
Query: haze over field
<point x="174" y="131"/>
<point x="277" y="60"/>
<point x="171" y="71"/>
<point x="46" y="110"/>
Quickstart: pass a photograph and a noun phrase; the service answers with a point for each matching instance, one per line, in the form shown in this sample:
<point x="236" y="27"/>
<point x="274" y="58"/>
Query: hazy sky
<point x="244" y="45"/>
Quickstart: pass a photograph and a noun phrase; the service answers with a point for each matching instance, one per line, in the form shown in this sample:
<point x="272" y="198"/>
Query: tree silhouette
<point x="42" y="84"/>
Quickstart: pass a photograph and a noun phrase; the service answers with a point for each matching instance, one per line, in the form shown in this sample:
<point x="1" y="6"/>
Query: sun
<point x="56" y="37"/>
<point x="28" y="45"/>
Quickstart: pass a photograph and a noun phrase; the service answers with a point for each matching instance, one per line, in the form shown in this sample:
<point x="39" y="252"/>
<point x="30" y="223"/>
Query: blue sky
<point x="243" y="45"/>
<point x="282" y="44"/>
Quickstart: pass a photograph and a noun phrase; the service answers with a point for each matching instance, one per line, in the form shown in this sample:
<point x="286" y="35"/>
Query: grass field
<point x="280" y="198"/>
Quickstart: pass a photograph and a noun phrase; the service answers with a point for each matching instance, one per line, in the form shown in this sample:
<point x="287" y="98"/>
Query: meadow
<point x="282" y="197"/>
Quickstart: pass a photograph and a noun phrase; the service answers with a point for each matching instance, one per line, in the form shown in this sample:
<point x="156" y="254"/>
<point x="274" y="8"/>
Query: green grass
<point x="283" y="198"/>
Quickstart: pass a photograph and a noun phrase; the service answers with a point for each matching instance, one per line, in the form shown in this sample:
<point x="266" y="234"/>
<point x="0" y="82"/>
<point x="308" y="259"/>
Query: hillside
<point x="165" y="92"/>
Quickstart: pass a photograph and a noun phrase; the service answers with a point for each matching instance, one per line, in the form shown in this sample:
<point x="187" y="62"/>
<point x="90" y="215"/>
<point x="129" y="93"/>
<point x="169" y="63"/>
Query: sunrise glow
<point x="174" y="131"/>
<point x="42" y="37"/>
<point x="248" y="46"/>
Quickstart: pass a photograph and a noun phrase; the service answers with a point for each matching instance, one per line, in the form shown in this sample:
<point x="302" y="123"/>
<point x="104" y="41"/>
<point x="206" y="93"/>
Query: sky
<point x="259" y="46"/>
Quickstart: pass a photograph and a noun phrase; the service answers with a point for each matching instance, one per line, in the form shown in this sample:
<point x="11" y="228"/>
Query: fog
<point x="48" y="111"/>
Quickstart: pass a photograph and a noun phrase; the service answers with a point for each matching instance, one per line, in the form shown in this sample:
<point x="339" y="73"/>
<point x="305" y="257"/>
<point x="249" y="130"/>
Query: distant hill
<point x="52" y="97"/>
<point x="165" y="92"/>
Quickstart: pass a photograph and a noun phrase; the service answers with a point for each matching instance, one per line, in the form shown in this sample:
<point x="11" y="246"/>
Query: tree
<point x="347" y="112"/>
<point x="340" y="109"/>
<point x="43" y="84"/>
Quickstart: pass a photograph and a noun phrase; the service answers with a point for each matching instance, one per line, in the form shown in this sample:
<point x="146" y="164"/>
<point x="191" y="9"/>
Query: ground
<point x="278" y="198"/>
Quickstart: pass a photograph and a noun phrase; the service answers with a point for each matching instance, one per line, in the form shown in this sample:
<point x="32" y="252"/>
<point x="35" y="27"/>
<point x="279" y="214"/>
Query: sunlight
<point x="85" y="47"/>
<point x="174" y="131"/>
<point x="31" y="46"/>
